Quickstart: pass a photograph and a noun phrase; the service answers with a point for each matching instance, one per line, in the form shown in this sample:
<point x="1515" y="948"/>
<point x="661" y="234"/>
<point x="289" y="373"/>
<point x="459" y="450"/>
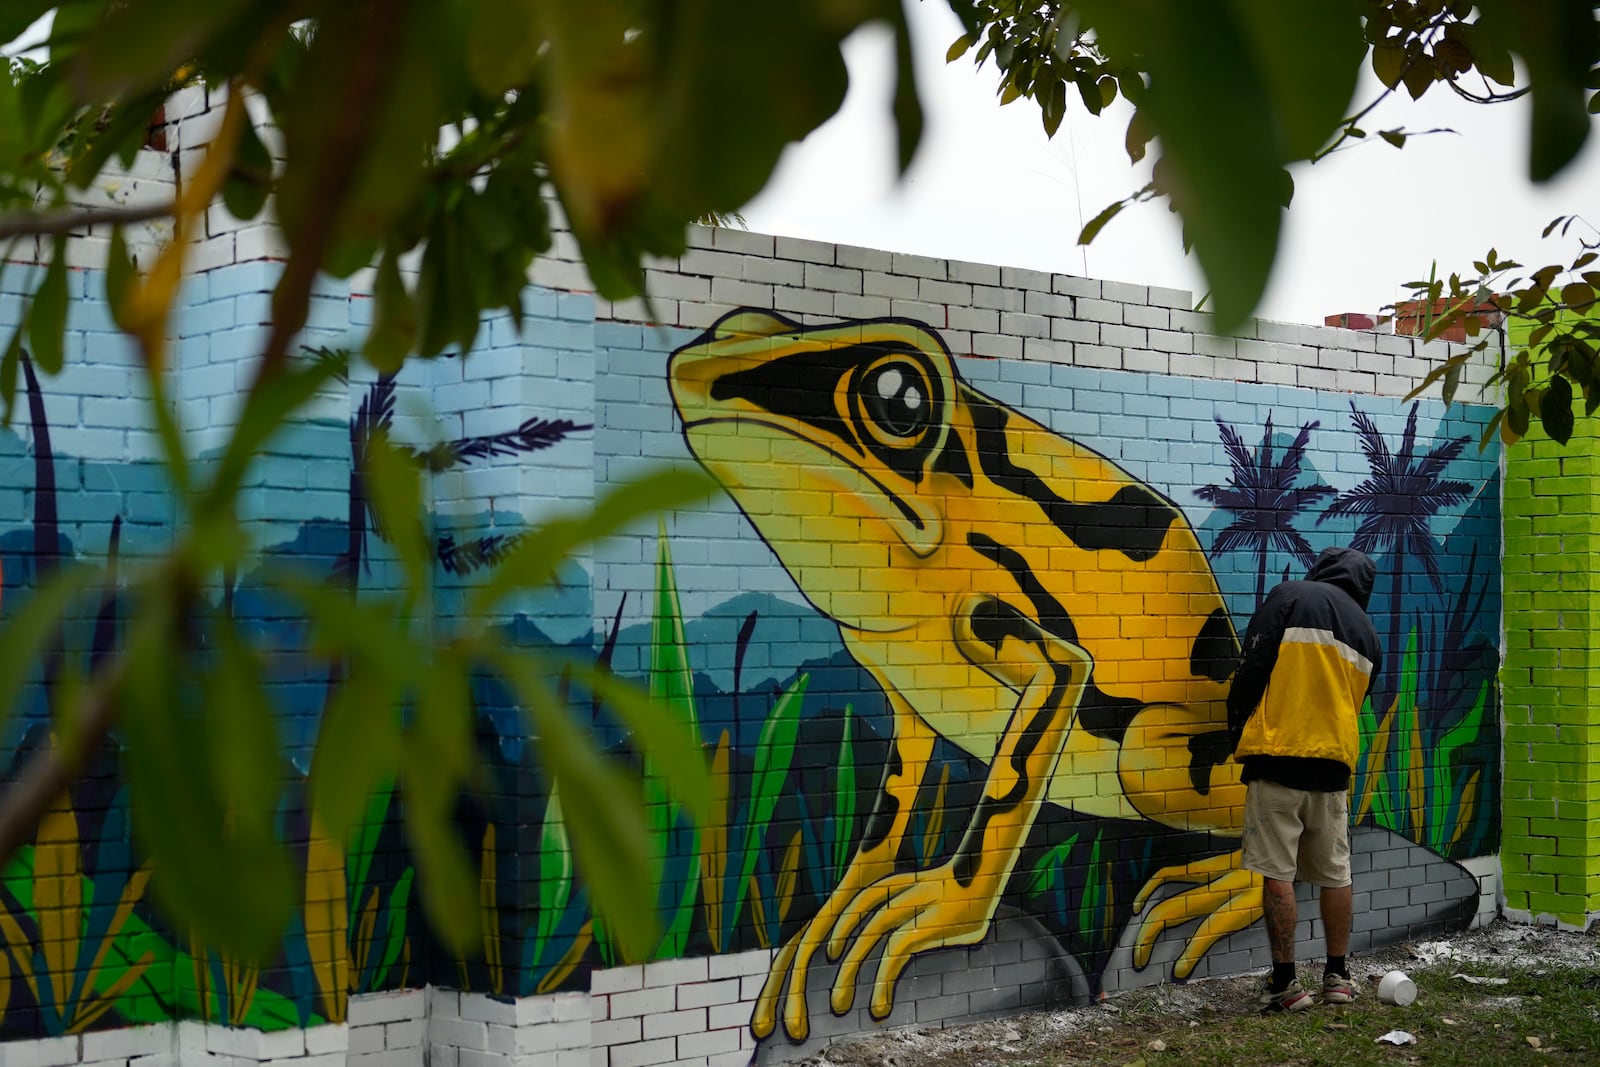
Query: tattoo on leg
<point x="1281" y="916"/>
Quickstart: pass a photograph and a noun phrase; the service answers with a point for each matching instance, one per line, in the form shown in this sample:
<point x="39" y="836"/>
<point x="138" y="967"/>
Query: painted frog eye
<point x="897" y="400"/>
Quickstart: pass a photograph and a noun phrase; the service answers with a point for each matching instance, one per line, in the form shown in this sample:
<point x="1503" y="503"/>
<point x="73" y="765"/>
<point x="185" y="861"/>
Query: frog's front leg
<point x="953" y="903"/>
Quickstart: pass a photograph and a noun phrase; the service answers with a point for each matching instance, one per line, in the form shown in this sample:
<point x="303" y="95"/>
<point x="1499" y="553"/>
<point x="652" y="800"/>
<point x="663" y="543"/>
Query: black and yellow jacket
<point x="1309" y="660"/>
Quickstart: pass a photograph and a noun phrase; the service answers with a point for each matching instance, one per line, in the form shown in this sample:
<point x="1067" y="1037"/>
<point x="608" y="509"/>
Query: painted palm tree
<point x="1398" y="502"/>
<point x="1262" y="493"/>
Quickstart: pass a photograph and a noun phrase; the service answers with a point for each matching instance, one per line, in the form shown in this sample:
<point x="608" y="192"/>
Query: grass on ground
<point x="1535" y="1017"/>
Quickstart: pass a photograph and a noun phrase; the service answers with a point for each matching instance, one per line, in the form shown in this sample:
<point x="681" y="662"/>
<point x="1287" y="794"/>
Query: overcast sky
<point x="988" y="186"/>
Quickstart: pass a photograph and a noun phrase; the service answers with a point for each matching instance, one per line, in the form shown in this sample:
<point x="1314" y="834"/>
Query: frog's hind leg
<point x="873" y="861"/>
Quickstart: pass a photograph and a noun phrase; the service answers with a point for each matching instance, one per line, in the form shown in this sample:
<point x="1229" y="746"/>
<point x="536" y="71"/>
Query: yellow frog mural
<point x="1010" y="589"/>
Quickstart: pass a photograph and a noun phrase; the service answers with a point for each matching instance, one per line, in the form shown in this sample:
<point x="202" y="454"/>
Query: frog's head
<point x="822" y="435"/>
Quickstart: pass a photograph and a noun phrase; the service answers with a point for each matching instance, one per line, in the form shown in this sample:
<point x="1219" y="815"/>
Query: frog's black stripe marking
<point x="802" y="385"/>
<point x="952" y="460"/>
<point x="1206" y="752"/>
<point x="1134" y="521"/>
<point x="997" y="622"/>
<point x="1101" y="714"/>
<point x="1216" y="649"/>
<point x="885" y="809"/>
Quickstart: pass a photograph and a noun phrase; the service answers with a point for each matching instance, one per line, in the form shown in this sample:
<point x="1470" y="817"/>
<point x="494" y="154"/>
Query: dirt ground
<point x="1035" y="1035"/>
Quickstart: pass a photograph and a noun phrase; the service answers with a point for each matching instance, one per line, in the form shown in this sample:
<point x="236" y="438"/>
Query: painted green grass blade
<point x="774" y="751"/>
<point x="1048" y="869"/>
<point x="399" y="904"/>
<point x="843" y="818"/>
<point x="1089" y="904"/>
<point x="555" y="874"/>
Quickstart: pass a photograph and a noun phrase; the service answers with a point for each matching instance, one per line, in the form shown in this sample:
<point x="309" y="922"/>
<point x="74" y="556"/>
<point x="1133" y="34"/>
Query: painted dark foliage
<point x="1262" y="493"/>
<point x="1397" y="504"/>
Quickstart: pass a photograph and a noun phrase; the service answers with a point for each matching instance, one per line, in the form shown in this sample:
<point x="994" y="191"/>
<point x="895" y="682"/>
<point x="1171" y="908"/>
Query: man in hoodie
<point x="1310" y="656"/>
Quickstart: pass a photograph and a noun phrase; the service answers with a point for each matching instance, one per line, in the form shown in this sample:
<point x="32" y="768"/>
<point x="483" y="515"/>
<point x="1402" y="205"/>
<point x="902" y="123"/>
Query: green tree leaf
<point x="47" y="318"/>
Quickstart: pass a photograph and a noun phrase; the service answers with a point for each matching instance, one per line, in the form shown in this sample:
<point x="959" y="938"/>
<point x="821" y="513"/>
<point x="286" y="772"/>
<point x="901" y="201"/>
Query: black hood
<point x="1352" y="571"/>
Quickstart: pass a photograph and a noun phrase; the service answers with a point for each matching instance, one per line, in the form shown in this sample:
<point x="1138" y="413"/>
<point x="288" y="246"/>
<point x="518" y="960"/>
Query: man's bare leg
<point x="1277" y="901"/>
<point x="1335" y="920"/>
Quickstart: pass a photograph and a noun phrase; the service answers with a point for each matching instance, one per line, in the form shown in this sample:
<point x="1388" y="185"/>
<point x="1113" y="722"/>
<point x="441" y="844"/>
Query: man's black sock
<point x="1335" y="965"/>
<point x="1282" y="975"/>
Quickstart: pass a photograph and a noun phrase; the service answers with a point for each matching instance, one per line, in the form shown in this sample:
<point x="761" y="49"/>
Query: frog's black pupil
<point x="898" y="400"/>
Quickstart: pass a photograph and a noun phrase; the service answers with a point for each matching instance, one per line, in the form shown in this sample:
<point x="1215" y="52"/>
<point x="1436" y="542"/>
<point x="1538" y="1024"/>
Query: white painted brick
<point x="410" y="1033"/>
<point x="258" y="242"/>
<point x="1170" y="298"/>
<point x="673" y="286"/>
<point x="774" y="271"/>
<point x="710" y="1043"/>
<point x="1209" y="344"/>
<point x="850" y="306"/>
<point x="807" y="251"/>
<point x="1075" y="330"/>
<point x="744" y="241"/>
<point x="804" y="301"/>
<point x="921" y="266"/>
<point x="980" y="320"/>
<point x="458" y="1033"/>
<point x="1099" y="310"/>
<point x="996" y="346"/>
<point x="479" y="1007"/>
<point x="1171" y="341"/>
<point x="1022" y="278"/>
<point x="643" y="1002"/>
<point x="1354" y="381"/>
<point x="702" y="994"/>
<point x="895" y="286"/>
<point x="411" y="1058"/>
<point x="1196" y="322"/>
<point x="1125" y="292"/>
<point x="733" y="291"/>
<point x="643" y="1053"/>
<point x="556" y="274"/>
<point x="615" y="1032"/>
<point x="729" y="1059"/>
<point x="673" y="1023"/>
<point x="329" y="1039"/>
<point x="126" y="1042"/>
<point x="442" y="1056"/>
<point x="1140" y="359"/>
<point x="1123" y="336"/>
<point x="750" y="986"/>
<point x="41" y="1052"/>
<point x="1315" y="378"/>
<point x="1000" y="299"/>
<point x="570" y="1007"/>
<point x="564" y="1058"/>
<point x="696" y="314"/>
<point x="864" y="258"/>
<point x="386" y="1007"/>
<point x="480" y="1058"/>
<point x="1024" y="325"/>
<point x="713" y="264"/>
<point x="1042" y="348"/>
<point x="1396" y="346"/>
<point x="1072" y="285"/>
<point x="729" y="1016"/>
<point x="1035" y="302"/>
<point x="756" y="961"/>
<point x="1149" y="317"/>
<point x="932" y="314"/>
<point x="937" y="292"/>
<point x="366" y="1039"/>
<point x="161" y="1059"/>
<point x="836" y="279"/>
<point x="1097" y="356"/>
<point x="975" y="273"/>
<point x="1275" y="373"/>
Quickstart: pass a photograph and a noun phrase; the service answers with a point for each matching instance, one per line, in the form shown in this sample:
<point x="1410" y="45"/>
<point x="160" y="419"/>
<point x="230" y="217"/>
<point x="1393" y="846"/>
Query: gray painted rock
<point x="1401" y="890"/>
<point x="1021" y="965"/>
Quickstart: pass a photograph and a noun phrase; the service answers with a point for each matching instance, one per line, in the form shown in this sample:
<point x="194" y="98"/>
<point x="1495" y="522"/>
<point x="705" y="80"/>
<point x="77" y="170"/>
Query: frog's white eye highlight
<point x="897" y="401"/>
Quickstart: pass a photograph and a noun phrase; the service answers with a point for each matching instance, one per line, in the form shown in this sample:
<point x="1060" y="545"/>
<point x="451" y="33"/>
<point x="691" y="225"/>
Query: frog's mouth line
<point x="920" y="531"/>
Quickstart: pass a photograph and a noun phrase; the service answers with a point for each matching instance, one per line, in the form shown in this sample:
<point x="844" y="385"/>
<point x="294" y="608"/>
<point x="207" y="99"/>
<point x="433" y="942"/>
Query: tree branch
<point x="53" y="768"/>
<point x="49" y="224"/>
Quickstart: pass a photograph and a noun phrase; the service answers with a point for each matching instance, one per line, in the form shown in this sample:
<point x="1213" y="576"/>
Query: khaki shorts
<point x="1294" y="835"/>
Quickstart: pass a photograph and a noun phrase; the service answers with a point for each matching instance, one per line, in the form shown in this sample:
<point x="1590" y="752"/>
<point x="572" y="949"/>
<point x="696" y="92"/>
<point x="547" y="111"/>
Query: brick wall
<point x="1121" y="380"/>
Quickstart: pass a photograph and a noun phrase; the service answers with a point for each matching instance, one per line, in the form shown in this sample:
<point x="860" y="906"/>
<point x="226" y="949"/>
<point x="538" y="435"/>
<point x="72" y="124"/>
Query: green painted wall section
<point x="1551" y="676"/>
